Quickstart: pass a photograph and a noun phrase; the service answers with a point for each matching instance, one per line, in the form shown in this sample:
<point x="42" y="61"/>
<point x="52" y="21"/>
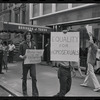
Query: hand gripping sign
<point x="33" y="56"/>
<point x="64" y="47"/>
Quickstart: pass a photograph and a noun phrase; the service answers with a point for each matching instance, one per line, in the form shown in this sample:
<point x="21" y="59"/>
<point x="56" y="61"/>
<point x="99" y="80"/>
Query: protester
<point x="91" y="59"/>
<point x="1" y="56"/>
<point x="64" y="76"/>
<point x="11" y="51"/>
<point x="48" y="51"/>
<point x="28" y="44"/>
<point x="5" y="52"/>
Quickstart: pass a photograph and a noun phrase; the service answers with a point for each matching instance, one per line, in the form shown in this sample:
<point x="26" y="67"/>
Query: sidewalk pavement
<point x="47" y="81"/>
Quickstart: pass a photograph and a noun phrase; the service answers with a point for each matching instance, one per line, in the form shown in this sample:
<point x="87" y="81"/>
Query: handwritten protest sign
<point x="64" y="47"/>
<point x="33" y="56"/>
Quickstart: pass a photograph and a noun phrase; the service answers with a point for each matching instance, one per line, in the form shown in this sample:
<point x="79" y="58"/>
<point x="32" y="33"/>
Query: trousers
<point x="91" y="74"/>
<point x="32" y="69"/>
<point x="65" y="80"/>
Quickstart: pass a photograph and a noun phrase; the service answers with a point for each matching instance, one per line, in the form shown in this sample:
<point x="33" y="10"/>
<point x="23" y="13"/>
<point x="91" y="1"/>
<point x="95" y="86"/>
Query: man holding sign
<point x="65" y="50"/>
<point x="25" y="48"/>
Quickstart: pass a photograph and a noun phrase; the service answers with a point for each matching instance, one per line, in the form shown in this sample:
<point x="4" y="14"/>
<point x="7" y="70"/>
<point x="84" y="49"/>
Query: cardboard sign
<point x="64" y="47"/>
<point x="33" y="56"/>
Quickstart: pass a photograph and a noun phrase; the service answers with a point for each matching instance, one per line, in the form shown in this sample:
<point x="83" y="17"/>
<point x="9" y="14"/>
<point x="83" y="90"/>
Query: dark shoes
<point x="1" y="73"/>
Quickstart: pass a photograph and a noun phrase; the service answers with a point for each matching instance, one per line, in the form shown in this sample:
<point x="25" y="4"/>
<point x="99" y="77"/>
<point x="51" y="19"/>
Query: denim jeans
<point x="32" y="69"/>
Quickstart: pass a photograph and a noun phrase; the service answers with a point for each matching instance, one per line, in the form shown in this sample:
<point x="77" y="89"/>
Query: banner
<point x="64" y="47"/>
<point x="33" y="56"/>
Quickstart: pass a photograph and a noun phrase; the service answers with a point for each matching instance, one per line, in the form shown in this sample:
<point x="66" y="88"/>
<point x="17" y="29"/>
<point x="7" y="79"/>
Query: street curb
<point x="9" y="89"/>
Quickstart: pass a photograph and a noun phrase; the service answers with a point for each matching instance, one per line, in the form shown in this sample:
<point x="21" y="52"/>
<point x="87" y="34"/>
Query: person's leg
<point x="12" y="53"/>
<point x="65" y="82"/>
<point x="33" y="75"/>
<point x="1" y="66"/>
<point x="9" y="56"/>
<point x="24" y="80"/>
<point x="86" y="80"/>
<point x="93" y="76"/>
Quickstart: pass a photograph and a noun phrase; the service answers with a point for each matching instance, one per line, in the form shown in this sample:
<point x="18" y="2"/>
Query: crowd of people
<point x="6" y="54"/>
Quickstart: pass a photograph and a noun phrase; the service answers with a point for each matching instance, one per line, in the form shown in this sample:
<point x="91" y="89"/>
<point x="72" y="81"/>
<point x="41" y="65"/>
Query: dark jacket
<point x="24" y="46"/>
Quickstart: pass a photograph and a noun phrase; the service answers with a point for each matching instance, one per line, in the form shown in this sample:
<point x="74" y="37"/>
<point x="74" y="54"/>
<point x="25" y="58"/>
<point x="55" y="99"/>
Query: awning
<point x="9" y="26"/>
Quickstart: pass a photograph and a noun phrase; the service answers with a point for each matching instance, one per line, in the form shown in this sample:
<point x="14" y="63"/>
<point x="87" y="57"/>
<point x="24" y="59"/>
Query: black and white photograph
<point x="49" y="49"/>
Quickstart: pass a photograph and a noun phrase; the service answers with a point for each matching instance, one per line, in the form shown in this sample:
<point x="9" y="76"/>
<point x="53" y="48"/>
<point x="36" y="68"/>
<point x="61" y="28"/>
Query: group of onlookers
<point x="6" y="54"/>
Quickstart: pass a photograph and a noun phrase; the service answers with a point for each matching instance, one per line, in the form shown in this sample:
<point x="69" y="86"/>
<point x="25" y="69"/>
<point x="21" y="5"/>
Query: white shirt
<point x="11" y="47"/>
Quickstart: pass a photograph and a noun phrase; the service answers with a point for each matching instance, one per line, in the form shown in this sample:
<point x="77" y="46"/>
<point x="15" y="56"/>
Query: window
<point x="17" y="19"/>
<point x="47" y="8"/>
<point x="77" y="4"/>
<point x="10" y="4"/>
<point x="23" y="17"/>
<point x="5" y="6"/>
<point x="0" y="7"/>
<point x="10" y="16"/>
<point x="36" y="10"/>
<point x="61" y="6"/>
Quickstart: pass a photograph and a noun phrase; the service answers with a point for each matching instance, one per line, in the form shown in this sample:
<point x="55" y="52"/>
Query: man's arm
<point x="21" y="52"/>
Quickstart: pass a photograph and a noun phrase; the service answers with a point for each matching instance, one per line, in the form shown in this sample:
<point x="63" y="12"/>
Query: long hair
<point x="27" y="33"/>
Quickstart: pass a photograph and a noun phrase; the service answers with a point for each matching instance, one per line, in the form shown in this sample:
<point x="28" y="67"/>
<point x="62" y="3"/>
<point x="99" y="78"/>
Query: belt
<point x="64" y="67"/>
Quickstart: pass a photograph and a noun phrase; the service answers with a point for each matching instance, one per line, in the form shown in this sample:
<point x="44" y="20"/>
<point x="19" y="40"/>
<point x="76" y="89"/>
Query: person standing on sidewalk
<point x="65" y="79"/>
<point x="11" y="51"/>
<point x="64" y="75"/>
<point x="91" y="59"/>
<point x="1" y="56"/>
<point x="5" y="51"/>
<point x="28" y="44"/>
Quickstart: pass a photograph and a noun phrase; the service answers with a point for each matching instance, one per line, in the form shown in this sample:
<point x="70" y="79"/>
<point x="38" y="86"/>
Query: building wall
<point x="8" y="10"/>
<point x="71" y="13"/>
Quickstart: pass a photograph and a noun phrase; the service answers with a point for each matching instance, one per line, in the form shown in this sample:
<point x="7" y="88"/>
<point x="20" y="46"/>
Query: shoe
<point x="96" y="89"/>
<point x="1" y="73"/>
<point x="84" y="85"/>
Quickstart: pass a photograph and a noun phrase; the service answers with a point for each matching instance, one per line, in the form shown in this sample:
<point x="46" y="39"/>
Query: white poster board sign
<point x="64" y="47"/>
<point x="33" y="56"/>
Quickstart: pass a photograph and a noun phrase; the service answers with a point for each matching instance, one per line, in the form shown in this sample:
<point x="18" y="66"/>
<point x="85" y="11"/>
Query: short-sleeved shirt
<point x="11" y="47"/>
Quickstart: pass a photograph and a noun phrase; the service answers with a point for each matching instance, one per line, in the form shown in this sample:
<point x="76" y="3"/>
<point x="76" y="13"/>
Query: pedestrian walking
<point x="11" y="51"/>
<point x="91" y="59"/>
<point x="1" y="56"/>
<point x="28" y="44"/>
<point x="5" y="52"/>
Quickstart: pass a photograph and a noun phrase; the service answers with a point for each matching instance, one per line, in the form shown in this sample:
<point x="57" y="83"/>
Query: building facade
<point x="61" y="15"/>
<point x="15" y="18"/>
<point x="14" y="12"/>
